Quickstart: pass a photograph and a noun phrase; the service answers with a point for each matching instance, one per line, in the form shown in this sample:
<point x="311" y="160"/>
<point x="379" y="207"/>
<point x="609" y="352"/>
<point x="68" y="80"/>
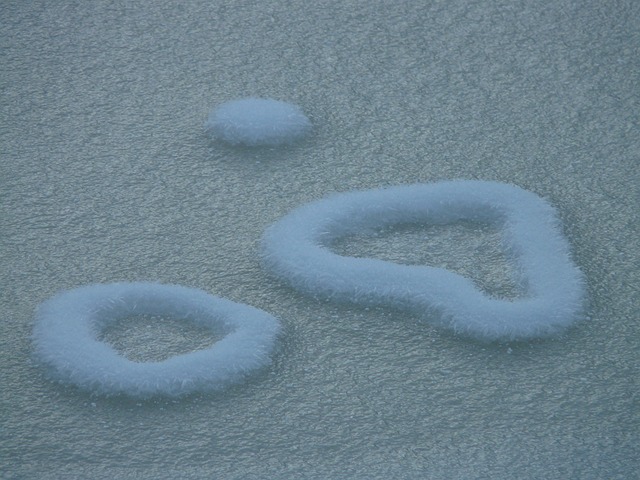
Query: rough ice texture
<point x="67" y="326"/>
<point x="296" y="248"/>
<point x="257" y="122"/>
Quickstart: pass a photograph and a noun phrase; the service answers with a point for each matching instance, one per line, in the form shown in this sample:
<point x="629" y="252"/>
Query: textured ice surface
<point x="258" y="122"/>
<point x="67" y="326"/>
<point x="296" y="249"/>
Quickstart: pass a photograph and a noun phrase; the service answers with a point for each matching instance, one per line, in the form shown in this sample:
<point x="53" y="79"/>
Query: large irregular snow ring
<point x="67" y="327"/>
<point x="297" y="249"/>
<point x="257" y="122"/>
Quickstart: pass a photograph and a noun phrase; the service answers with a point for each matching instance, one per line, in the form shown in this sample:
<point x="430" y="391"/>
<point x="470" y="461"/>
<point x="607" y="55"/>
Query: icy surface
<point x="67" y="326"/>
<point x="107" y="179"/>
<point x="296" y="248"/>
<point x="258" y="122"/>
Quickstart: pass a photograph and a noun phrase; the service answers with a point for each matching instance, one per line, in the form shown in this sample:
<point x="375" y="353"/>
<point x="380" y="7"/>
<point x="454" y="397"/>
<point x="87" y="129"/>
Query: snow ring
<point x="296" y="248"/>
<point x="66" y="328"/>
<point x="257" y="122"/>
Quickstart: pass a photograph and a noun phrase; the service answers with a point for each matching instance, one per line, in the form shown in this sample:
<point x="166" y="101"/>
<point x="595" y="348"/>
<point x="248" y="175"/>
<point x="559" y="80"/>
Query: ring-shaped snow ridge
<point x="67" y="328"/>
<point x="297" y="249"/>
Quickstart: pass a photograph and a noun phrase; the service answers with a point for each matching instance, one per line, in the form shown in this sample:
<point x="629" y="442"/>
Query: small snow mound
<point x="257" y="122"/>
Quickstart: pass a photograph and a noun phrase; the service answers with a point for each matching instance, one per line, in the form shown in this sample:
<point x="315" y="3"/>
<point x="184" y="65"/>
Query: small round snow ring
<point x="257" y="122"/>
<point x="296" y="248"/>
<point x="67" y="325"/>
